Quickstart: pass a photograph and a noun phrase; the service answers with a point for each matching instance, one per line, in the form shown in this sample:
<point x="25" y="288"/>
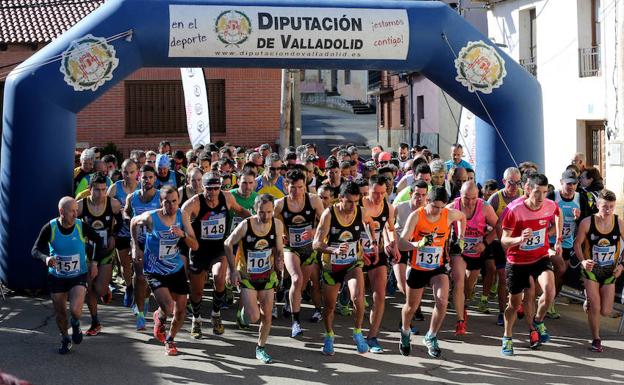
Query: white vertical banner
<point x="468" y="136"/>
<point x="196" y="105"/>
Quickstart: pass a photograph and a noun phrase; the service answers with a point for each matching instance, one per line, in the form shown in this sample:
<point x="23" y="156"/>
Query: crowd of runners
<point x="300" y="228"/>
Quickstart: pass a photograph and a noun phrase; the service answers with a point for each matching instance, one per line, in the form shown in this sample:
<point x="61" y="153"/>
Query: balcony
<point x="530" y="64"/>
<point x="589" y="62"/>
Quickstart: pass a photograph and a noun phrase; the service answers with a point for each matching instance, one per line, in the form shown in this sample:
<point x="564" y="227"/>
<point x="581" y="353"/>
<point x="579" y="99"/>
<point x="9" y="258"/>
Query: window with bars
<point x="156" y="107"/>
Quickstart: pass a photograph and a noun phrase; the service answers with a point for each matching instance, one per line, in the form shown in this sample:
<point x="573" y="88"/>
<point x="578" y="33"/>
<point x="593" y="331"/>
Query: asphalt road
<point x="329" y="128"/>
<point x="120" y="355"/>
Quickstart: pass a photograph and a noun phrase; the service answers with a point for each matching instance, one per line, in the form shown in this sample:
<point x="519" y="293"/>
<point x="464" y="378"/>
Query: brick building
<point x="148" y="106"/>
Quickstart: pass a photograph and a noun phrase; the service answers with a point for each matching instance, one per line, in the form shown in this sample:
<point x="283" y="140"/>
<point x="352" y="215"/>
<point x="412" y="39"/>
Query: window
<point x="347" y="77"/>
<point x="402" y="111"/>
<point x="528" y="40"/>
<point x="589" y="37"/>
<point x="157" y="106"/>
<point x="382" y="114"/>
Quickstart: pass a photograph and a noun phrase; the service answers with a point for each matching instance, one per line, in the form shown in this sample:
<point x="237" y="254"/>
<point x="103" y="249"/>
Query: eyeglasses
<point x="212" y="188"/>
<point x="151" y="162"/>
<point x="274" y="168"/>
<point x="514" y="183"/>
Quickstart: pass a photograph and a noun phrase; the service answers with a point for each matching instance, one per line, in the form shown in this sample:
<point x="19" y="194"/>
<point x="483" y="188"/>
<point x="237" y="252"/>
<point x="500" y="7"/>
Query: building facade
<point x="412" y="109"/>
<point x="148" y="106"/>
<point x="574" y="48"/>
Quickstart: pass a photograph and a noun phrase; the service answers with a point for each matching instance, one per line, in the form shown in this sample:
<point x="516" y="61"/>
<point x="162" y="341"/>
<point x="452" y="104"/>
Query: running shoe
<point x="296" y="330"/>
<point x="418" y="316"/>
<point x="94" y="330"/>
<point x="241" y="322"/>
<point x="328" y="346"/>
<point x="507" y="349"/>
<point x="196" y="328"/>
<point x="534" y="339"/>
<point x="373" y="345"/>
<point x="483" y="305"/>
<point x="317" y="316"/>
<point x="229" y="295"/>
<point x="262" y="355"/>
<point x="360" y="342"/>
<point x="432" y="346"/>
<point x="128" y="296"/>
<point x="460" y="328"/>
<point x="217" y="325"/>
<point x="170" y="348"/>
<point x="159" y="328"/>
<point x="596" y="346"/>
<point x="66" y="345"/>
<point x="494" y="289"/>
<point x="405" y="346"/>
<point x="344" y="310"/>
<point x="541" y="329"/>
<point x="140" y="322"/>
<point x="274" y="311"/>
<point x="107" y="297"/>
<point x="520" y="311"/>
<point x="500" y="320"/>
<point x="77" y="334"/>
<point x="552" y="313"/>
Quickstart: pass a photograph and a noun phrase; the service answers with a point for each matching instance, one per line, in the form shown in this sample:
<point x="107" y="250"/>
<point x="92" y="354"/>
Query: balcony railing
<point x="530" y="65"/>
<point x="589" y="61"/>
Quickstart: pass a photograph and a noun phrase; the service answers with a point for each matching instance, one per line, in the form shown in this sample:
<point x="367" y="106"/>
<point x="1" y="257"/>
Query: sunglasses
<point x="212" y="188"/>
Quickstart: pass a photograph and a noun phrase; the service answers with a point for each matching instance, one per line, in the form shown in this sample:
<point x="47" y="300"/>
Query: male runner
<point x="101" y="213"/>
<point x="120" y="191"/>
<point x="300" y="212"/>
<point x="600" y="236"/>
<point x="574" y="206"/>
<point x="259" y="256"/>
<point x="61" y="245"/>
<point x="382" y="214"/>
<point x="145" y="199"/>
<point x="525" y="238"/>
<point x="426" y="233"/>
<point x="495" y="259"/>
<point x="338" y="238"/>
<point x="209" y="217"/>
<point x="163" y="266"/>
<point x="465" y="267"/>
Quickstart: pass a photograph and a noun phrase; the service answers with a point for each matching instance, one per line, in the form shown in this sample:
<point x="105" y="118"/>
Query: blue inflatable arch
<point x="41" y="100"/>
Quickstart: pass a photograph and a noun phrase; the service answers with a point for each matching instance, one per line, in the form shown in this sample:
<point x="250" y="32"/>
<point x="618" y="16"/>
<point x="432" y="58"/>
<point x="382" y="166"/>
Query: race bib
<point x="345" y="259"/>
<point x="213" y="228"/>
<point x="167" y="248"/>
<point x="104" y="235"/>
<point x="67" y="264"/>
<point x="535" y="242"/>
<point x="568" y="229"/>
<point x="604" y="255"/>
<point x="258" y="262"/>
<point x="295" y="236"/>
<point x="367" y="244"/>
<point x="429" y="257"/>
<point x="470" y="243"/>
<point x="235" y="222"/>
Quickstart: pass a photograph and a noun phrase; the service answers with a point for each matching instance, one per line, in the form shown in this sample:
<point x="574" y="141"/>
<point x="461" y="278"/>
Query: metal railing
<point x="530" y="65"/>
<point x="589" y="61"/>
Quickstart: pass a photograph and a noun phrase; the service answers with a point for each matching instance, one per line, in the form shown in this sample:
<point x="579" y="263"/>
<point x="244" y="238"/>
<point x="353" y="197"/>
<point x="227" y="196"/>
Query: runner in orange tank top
<point x="426" y="232"/>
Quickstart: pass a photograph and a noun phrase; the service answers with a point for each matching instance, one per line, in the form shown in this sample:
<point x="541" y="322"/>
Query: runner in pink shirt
<point x="525" y="238"/>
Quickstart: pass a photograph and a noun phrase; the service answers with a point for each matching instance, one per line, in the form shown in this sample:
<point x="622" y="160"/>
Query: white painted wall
<point x="562" y="28"/>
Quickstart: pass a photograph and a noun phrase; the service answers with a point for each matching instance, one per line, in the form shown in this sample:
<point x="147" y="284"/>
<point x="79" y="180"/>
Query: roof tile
<point x="41" y="21"/>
